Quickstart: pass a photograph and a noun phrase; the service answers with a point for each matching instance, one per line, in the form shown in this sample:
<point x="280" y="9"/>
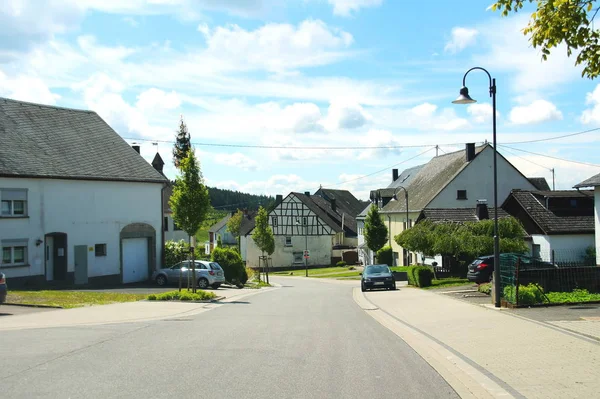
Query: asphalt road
<point x="307" y="339"/>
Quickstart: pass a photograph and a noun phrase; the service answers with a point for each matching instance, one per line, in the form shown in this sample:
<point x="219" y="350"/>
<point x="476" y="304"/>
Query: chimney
<point x="307" y="193"/>
<point x="470" y="150"/>
<point x="481" y="211"/>
<point x="333" y="205"/>
<point x="158" y="163"/>
<point x="394" y="174"/>
<point x="278" y="199"/>
<point x="136" y="148"/>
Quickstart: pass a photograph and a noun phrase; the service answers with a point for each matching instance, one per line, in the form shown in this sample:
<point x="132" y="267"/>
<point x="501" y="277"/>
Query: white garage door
<point x="135" y="260"/>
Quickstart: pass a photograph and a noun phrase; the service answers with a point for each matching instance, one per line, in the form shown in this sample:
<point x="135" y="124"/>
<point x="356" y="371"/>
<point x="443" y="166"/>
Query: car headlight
<point x="389" y="279"/>
<point x="368" y="280"/>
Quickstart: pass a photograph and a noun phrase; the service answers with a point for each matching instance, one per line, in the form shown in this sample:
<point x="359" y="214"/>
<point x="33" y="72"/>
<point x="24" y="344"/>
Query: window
<point x="274" y="221"/>
<point x="298" y="257"/>
<point x="304" y="221"/>
<point x="14" y="252"/>
<point x="100" y="249"/>
<point x="288" y="241"/>
<point x="13" y="202"/>
<point x="536" y="251"/>
<point x="175" y="227"/>
<point x="166" y="223"/>
<point x="573" y="203"/>
<point x="461" y="194"/>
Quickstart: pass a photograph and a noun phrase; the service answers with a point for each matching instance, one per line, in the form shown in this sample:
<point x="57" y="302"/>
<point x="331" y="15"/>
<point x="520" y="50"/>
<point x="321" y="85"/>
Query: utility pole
<point x="437" y="147"/>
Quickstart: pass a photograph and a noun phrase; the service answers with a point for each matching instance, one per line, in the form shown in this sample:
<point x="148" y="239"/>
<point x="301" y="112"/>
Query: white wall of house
<point x="89" y="212"/>
<point x="291" y="255"/>
<point x="566" y="247"/>
<point x="477" y="179"/>
<point x="395" y="222"/>
<point x="226" y="236"/>
<point x="174" y="235"/>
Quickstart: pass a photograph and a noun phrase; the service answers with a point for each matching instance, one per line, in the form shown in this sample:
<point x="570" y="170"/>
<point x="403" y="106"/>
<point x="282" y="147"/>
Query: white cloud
<point x="276" y="47"/>
<point x="508" y="50"/>
<point x="345" y="8"/>
<point x="592" y="115"/>
<point x="345" y="115"/>
<point x="481" y="113"/>
<point x="424" y="110"/>
<point x="379" y="138"/>
<point x="156" y="100"/>
<point x="236" y="160"/>
<point x="537" y="112"/>
<point x="278" y="184"/>
<point x="423" y="117"/>
<point x="131" y="22"/>
<point x="102" y="54"/>
<point x="461" y="39"/>
<point x="26" y="88"/>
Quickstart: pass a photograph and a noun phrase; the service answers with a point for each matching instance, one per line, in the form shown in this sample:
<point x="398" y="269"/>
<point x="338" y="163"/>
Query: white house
<point x="303" y="222"/>
<point x="450" y="181"/>
<point x="172" y="232"/>
<point x="78" y="204"/>
<point x="559" y="224"/>
<point x="218" y="232"/>
<point x="594" y="181"/>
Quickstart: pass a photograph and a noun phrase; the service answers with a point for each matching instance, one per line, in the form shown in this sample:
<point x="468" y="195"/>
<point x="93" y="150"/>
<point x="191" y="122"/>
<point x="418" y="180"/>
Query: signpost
<point x="306" y="254"/>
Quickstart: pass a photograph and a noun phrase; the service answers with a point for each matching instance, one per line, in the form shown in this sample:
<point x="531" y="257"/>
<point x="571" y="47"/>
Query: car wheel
<point x="161" y="280"/>
<point x="362" y="287"/>
<point x="202" y="283"/>
<point x="393" y="287"/>
<point x="215" y="286"/>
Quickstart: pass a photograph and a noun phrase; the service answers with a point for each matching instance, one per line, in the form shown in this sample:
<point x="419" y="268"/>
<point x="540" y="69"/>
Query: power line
<point x="553" y="138"/>
<point x="550" y="156"/>
<point x="381" y="170"/>
<point x="283" y="147"/>
<point x="525" y="159"/>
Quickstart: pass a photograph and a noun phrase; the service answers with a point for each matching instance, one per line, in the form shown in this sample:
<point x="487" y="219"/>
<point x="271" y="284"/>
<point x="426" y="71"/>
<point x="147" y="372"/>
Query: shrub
<point x="231" y="262"/>
<point x="528" y="294"/>
<point x="244" y="276"/>
<point x="420" y="276"/>
<point x="352" y="268"/>
<point x="384" y="256"/>
<point x="341" y="263"/>
<point x="182" y="296"/>
<point x="178" y="251"/>
<point x="485" y="288"/>
<point x="251" y="273"/>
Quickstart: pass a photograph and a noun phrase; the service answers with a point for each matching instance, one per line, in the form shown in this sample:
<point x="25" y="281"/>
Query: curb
<point x="458" y="371"/>
<point x="26" y="305"/>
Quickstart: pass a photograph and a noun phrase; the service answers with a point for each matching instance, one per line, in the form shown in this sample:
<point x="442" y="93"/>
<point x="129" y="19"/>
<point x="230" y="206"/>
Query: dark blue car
<point x="377" y="276"/>
<point x="3" y="288"/>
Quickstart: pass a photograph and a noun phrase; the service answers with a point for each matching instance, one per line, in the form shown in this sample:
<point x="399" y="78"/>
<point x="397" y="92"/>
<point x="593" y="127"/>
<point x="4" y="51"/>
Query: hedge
<point x="528" y="294"/>
<point x="231" y="262"/>
<point x="384" y="256"/>
<point x="182" y="296"/>
<point x="420" y="276"/>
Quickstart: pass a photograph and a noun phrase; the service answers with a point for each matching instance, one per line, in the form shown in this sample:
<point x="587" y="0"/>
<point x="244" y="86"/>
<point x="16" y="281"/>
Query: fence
<point x="527" y="281"/>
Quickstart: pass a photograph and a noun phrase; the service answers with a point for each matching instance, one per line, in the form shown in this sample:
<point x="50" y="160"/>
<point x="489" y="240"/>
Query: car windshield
<point x="377" y="269"/>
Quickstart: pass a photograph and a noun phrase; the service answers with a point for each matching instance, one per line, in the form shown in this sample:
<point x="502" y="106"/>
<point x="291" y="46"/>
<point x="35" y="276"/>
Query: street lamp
<point x="305" y="244"/>
<point x="464" y="98"/>
<point x="406" y="200"/>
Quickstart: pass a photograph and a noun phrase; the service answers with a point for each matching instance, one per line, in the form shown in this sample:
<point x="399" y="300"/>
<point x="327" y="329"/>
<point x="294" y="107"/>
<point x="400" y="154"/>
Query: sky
<point x="284" y="96"/>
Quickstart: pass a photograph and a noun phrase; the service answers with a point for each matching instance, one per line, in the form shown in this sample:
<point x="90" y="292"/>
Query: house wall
<point x="226" y="236"/>
<point x="567" y="247"/>
<point x="319" y="247"/>
<point x="395" y="224"/>
<point x="89" y="212"/>
<point x="477" y="179"/>
<point x="172" y="234"/>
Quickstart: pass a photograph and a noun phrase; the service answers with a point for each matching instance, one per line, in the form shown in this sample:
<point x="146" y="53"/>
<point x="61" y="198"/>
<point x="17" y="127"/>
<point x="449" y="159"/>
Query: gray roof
<point x="52" y="142"/>
<point x="248" y="223"/>
<point x="365" y="211"/>
<point x="345" y="200"/>
<point x="219" y="225"/>
<point x="593" y="181"/>
<point x="457" y="214"/>
<point x="406" y="176"/>
<point x="317" y="210"/>
<point x="539" y="183"/>
<point x="548" y="221"/>
<point x="349" y="220"/>
<point x="430" y="180"/>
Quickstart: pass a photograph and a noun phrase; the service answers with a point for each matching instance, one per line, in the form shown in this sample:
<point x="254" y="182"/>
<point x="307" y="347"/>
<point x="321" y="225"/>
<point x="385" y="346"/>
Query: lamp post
<point x="464" y="98"/>
<point x="406" y="200"/>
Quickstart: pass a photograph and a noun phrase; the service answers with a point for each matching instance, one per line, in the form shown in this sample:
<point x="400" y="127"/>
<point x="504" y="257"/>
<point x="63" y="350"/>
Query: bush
<point x="341" y="263"/>
<point x="231" y="262"/>
<point x="385" y="256"/>
<point x="485" y="288"/>
<point x="420" y="276"/>
<point x="251" y="273"/>
<point x="244" y="276"/>
<point x="528" y="294"/>
<point x="182" y="296"/>
<point x="178" y="251"/>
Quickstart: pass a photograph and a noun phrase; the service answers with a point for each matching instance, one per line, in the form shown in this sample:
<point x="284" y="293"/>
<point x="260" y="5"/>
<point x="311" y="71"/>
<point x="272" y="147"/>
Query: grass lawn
<point x="313" y="272"/>
<point x="448" y="282"/>
<point x="182" y="296"/>
<point x="69" y="299"/>
<point x="256" y="284"/>
<point x="399" y="268"/>
<point x="348" y="273"/>
<point x="572" y="297"/>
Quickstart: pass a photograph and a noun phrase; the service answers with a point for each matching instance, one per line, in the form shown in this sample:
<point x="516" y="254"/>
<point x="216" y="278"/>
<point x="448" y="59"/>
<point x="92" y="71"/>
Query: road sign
<point x="307" y="254"/>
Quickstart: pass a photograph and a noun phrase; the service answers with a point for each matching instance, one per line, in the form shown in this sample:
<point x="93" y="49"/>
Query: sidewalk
<point x="507" y="355"/>
<point x="116" y="313"/>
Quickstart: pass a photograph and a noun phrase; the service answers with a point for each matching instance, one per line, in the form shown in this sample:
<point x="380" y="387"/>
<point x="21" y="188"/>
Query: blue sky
<point x="303" y="73"/>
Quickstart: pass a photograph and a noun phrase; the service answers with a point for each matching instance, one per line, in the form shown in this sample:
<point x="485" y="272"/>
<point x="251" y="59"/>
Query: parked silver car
<point x="209" y="274"/>
<point x="3" y="288"/>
